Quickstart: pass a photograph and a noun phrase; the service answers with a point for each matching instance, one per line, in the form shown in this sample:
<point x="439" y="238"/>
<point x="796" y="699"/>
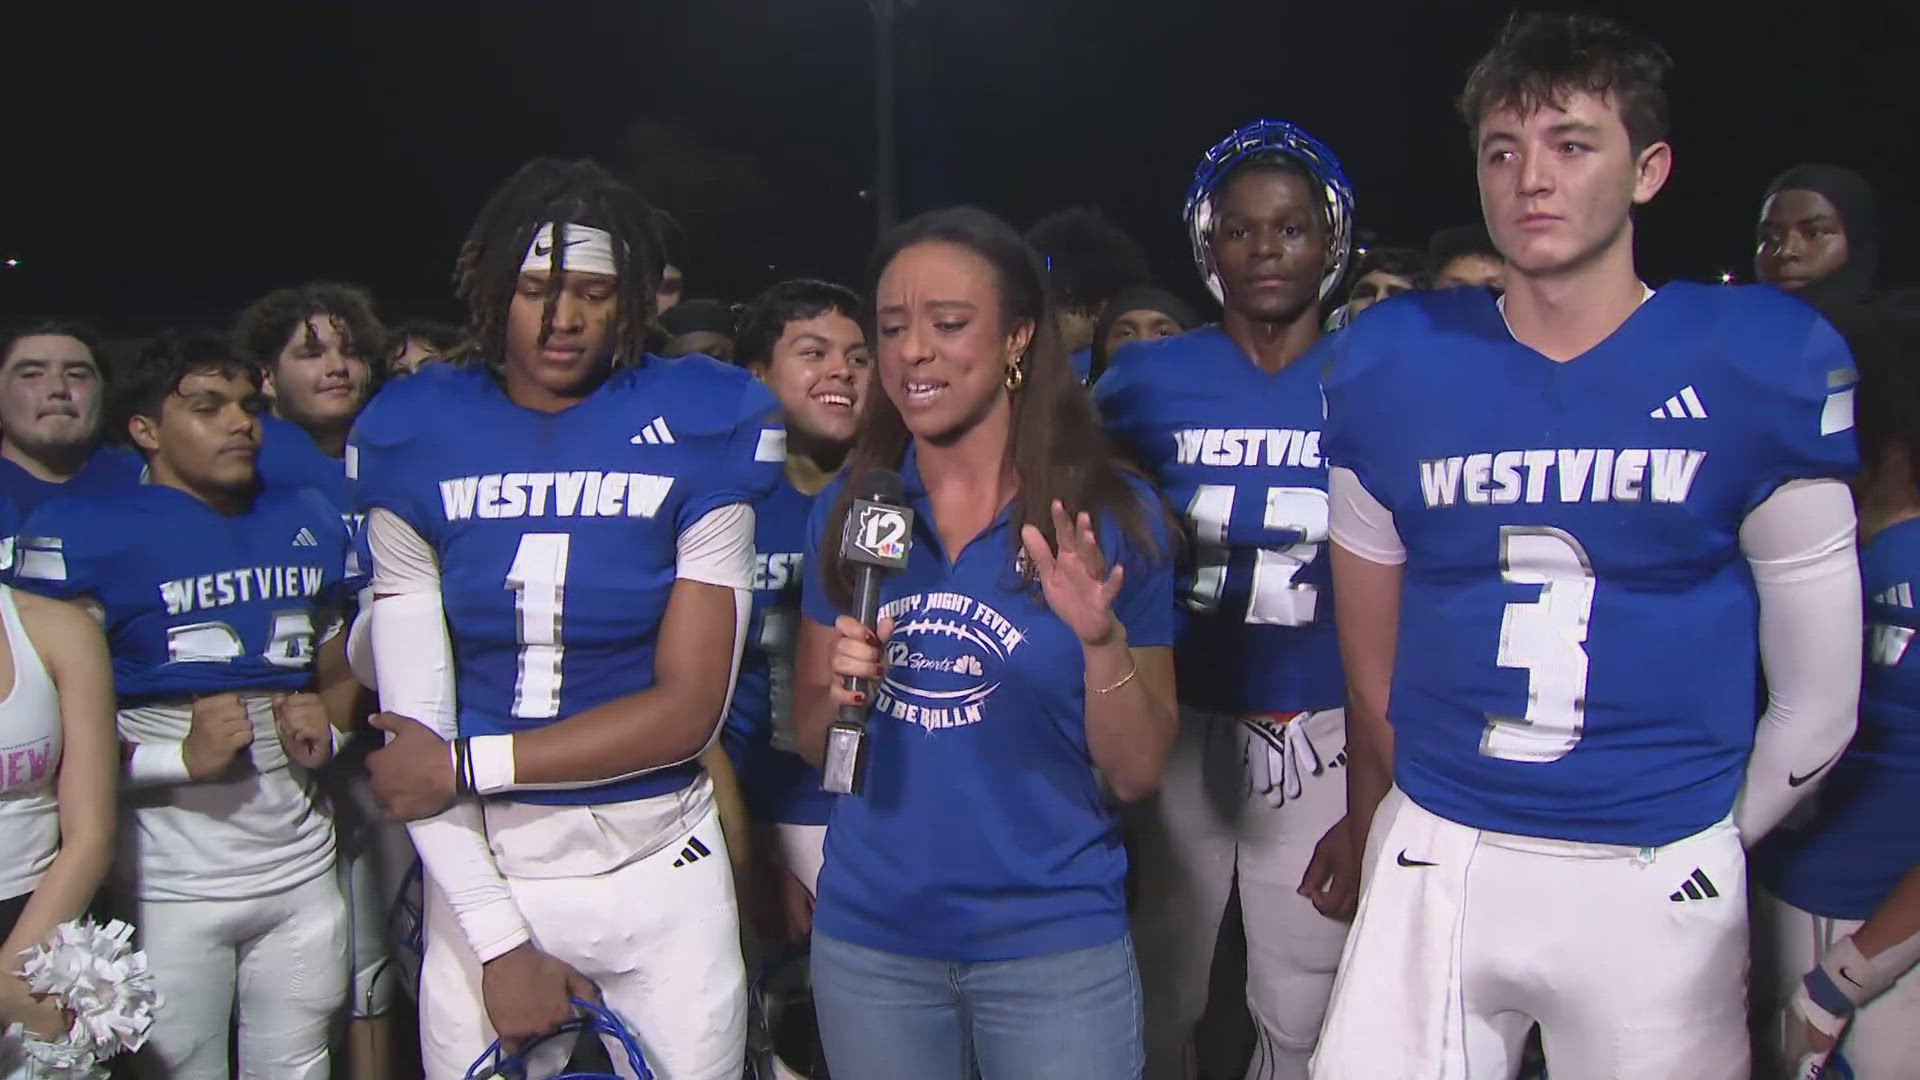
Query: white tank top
<point x="29" y="762"/>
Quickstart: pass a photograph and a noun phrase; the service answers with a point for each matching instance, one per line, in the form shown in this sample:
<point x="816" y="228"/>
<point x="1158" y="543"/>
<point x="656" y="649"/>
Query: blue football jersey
<point x="779" y="784"/>
<point x="557" y="533"/>
<point x="195" y="602"/>
<point x="109" y="468"/>
<point x="1237" y="452"/>
<point x="1577" y="623"/>
<point x="982" y="833"/>
<point x="290" y="460"/>
<point x="1861" y="838"/>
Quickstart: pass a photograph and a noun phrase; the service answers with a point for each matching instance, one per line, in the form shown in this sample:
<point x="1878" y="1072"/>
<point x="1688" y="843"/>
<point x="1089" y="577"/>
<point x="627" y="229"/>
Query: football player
<point x="213" y="594"/>
<point x="1829" y="937"/>
<point x="1564" y="524"/>
<point x="52" y="390"/>
<point x="1227" y="419"/>
<point x="804" y="340"/>
<point x="318" y="347"/>
<point x="562" y="542"/>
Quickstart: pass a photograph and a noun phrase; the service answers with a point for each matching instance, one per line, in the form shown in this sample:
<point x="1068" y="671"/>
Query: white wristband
<point x="1862" y="979"/>
<point x="490" y="759"/>
<point x="163" y="762"/>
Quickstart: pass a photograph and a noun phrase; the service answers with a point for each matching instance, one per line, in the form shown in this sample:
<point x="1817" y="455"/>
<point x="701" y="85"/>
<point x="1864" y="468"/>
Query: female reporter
<point x="970" y="909"/>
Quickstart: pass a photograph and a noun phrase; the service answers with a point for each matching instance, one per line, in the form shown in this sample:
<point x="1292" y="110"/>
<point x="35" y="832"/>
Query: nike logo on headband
<point x="541" y="251"/>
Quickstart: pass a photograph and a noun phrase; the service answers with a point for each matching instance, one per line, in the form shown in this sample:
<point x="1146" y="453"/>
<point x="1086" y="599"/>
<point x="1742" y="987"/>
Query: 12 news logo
<point x="882" y="532"/>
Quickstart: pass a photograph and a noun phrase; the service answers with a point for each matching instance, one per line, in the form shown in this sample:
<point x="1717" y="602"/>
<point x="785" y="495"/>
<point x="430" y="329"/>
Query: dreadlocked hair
<point x="564" y="193"/>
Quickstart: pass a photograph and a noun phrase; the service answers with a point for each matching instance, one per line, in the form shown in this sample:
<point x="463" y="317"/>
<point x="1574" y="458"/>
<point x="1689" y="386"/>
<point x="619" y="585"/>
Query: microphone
<point x="875" y="542"/>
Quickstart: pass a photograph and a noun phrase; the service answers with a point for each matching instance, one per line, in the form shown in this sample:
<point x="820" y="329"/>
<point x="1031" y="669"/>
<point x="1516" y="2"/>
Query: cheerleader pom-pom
<point x="101" y="981"/>
<point x="26" y="1057"/>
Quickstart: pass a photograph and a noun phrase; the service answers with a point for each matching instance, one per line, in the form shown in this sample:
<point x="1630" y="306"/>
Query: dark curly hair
<point x="766" y="318"/>
<point x="1541" y="59"/>
<point x="440" y="337"/>
<point x="1088" y="258"/>
<point x="154" y="371"/>
<point x="265" y="327"/>
<point x="561" y="192"/>
<point x="1401" y="262"/>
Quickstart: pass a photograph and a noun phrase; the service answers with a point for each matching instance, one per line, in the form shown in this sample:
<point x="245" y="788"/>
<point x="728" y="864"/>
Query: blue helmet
<point x="1267" y="139"/>
<point x="590" y="1024"/>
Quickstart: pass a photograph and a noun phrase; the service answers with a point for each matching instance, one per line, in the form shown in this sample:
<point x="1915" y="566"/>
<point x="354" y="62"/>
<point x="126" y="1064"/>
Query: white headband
<point x="589" y="250"/>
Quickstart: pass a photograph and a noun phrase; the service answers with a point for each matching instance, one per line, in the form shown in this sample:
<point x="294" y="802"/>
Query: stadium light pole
<point x="884" y="207"/>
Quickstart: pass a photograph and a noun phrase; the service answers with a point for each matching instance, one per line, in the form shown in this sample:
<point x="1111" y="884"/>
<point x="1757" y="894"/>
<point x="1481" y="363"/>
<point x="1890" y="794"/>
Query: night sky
<point x="168" y="167"/>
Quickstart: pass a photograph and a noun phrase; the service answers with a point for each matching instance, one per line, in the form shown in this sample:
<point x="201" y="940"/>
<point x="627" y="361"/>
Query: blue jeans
<point x="1069" y="1016"/>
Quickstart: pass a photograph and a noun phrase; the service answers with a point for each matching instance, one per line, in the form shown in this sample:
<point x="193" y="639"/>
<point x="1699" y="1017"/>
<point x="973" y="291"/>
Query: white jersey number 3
<point x="1274" y="598"/>
<point x="1546" y="638"/>
<point x="538" y="578"/>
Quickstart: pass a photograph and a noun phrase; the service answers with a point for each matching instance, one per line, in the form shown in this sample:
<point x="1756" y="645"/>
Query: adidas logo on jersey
<point x="545" y="494"/>
<point x="305" y="538"/>
<point x="693" y="852"/>
<point x="654" y="434"/>
<point x="1596" y="475"/>
<point x="1684" y="405"/>
<point x="1696" y="887"/>
<point x="1900" y="595"/>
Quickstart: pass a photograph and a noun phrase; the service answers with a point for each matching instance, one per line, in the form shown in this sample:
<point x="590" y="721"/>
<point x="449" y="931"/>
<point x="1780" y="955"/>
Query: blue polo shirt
<point x="982" y="833"/>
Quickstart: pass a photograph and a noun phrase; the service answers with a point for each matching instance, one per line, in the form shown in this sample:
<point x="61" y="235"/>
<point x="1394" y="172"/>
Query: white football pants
<point x="1208" y="825"/>
<point x="276" y="965"/>
<point x="658" y="935"/>
<point x="1632" y="960"/>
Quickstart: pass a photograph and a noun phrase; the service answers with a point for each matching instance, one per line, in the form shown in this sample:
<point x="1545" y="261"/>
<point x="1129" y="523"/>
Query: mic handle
<point x="846" y="758"/>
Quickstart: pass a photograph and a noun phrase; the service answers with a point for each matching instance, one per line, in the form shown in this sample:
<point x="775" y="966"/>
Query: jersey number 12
<point x="1274" y="598"/>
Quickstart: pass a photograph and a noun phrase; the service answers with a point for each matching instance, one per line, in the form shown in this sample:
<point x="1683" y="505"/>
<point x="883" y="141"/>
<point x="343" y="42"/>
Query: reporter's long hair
<point x="1057" y="448"/>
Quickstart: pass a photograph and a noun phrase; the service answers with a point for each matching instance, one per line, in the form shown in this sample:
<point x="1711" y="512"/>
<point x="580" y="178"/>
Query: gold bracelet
<point x="1132" y="670"/>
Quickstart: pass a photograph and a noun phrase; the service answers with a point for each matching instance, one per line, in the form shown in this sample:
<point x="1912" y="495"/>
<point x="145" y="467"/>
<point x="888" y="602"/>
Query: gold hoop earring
<point x="1015" y="375"/>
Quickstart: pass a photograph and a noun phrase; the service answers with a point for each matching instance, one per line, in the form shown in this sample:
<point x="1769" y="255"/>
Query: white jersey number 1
<point x="538" y="578"/>
<point x="1547" y="639"/>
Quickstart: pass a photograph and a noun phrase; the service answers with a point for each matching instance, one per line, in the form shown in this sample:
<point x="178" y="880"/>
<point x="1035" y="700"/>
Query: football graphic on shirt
<point x="943" y="659"/>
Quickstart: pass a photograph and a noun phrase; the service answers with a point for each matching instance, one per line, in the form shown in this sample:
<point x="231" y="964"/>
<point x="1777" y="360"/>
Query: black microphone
<point x="875" y="542"/>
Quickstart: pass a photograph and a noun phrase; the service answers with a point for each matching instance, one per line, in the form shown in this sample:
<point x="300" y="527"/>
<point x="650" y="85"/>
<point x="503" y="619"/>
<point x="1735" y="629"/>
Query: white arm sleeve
<point x="1800" y="544"/>
<point x="718" y="550"/>
<point x="715" y="550"/>
<point x="413" y="661"/>
<point x="1358" y="522"/>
